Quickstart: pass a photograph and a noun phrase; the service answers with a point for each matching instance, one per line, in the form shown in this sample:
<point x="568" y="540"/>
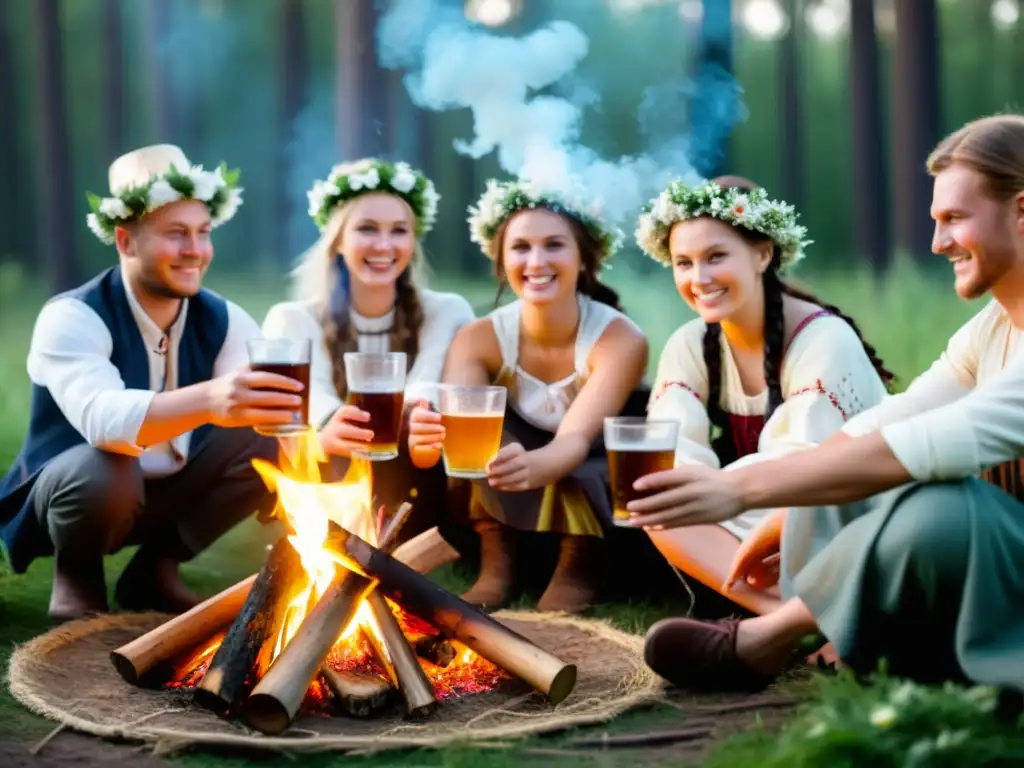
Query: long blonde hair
<point x="320" y="278"/>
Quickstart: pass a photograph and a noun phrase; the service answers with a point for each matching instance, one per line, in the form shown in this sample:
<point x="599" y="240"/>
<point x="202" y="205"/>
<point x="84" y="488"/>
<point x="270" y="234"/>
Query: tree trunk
<point x="363" y="104"/>
<point x="915" y="120"/>
<point x="56" y="185"/>
<point x="294" y="77"/>
<point x="113" y="77"/>
<point x="790" y="115"/>
<point x="710" y="137"/>
<point x="17" y="223"/>
<point x="157" y="18"/>
<point x="871" y="209"/>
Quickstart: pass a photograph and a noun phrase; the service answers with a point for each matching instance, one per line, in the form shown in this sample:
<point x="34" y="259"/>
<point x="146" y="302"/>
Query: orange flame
<point x="307" y="505"/>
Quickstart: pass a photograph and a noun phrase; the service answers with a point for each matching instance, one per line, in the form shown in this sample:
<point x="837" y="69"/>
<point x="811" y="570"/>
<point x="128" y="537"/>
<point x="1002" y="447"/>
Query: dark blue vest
<point x="50" y="434"/>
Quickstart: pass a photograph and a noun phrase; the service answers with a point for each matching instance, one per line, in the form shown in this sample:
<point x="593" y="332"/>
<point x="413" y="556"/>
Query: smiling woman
<point x="764" y="370"/>
<point x="568" y="357"/>
<point x="357" y="289"/>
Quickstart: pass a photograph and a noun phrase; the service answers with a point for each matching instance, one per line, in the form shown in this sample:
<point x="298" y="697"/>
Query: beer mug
<point x="473" y="418"/>
<point x="636" y="447"/>
<point x="376" y="384"/>
<point x="285" y="357"/>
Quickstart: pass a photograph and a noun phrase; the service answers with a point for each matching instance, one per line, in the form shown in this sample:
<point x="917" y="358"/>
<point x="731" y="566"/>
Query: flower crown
<point x="349" y="180"/>
<point x="751" y="209"/>
<point x="218" y="189"/>
<point x="502" y="199"/>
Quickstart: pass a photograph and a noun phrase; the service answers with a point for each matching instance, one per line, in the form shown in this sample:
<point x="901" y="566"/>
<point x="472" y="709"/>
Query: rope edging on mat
<point x="639" y="688"/>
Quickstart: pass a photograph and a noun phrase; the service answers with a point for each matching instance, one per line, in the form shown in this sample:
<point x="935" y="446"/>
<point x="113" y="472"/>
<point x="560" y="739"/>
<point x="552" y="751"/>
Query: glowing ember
<point x="307" y="506"/>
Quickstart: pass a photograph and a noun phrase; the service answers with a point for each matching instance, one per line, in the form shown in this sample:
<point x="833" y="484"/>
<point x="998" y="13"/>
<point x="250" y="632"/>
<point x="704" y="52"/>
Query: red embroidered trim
<point x="818" y="388"/>
<point x="682" y="385"/>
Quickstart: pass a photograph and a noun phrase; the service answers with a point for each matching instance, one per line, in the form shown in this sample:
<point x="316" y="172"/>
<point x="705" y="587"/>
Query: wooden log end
<point x="267" y="714"/>
<point x="125" y="668"/>
<point x="562" y="684"/>
<point x="359" y="695"/>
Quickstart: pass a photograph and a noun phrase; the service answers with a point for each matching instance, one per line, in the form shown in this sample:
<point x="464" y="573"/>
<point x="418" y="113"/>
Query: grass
<point x="908" y="317"/>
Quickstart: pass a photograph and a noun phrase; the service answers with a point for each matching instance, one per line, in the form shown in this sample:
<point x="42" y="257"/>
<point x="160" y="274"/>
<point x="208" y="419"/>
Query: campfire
<point x="338" y="621"/>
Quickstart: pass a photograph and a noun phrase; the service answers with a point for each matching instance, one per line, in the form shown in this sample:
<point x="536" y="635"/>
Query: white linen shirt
<point x="69" y="355"/>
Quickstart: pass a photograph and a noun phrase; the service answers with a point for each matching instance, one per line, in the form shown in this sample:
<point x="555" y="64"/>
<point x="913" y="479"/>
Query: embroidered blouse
<point x="826" y="378"/>
<point x="443" y="315"/>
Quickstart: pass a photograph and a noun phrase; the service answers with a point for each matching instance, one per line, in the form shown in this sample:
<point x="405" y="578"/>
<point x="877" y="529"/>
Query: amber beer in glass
<point x="473" y="418"/>
<point x="636" y="447"/>
<point x="285" y="357"/>
<point x="376" y="384"/>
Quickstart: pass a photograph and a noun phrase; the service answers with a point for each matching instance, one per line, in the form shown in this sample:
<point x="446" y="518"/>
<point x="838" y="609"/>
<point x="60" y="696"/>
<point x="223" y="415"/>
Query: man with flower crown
<point x="134" y="377"/>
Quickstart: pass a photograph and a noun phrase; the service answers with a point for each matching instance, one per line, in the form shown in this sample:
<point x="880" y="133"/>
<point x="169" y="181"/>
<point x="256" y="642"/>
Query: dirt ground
<point x="686" y="736"/>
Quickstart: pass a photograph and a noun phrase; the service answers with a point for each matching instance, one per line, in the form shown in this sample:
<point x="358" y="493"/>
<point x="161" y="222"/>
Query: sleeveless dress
<point x="580" y="503"/>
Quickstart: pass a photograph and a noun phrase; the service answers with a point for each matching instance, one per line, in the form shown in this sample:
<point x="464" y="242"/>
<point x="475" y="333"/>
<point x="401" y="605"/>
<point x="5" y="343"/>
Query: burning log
<point x="458" y="619"/>
<point x="148" y="660"/>
<point x="356" y="694"/>
<point x="400" y="660"/>
<point x="274" y="701"/>
<point x="437" y="650"/>
<point x="246" y="650"/>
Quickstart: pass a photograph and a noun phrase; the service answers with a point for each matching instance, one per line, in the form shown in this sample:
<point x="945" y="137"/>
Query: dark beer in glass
<point x="285" y="357"/>
<point x="636" y="447"/>
<point x="376" y="384"/>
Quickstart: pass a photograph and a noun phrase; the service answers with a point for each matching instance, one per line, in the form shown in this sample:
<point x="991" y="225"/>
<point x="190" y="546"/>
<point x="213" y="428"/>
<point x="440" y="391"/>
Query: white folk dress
<point x="826" y="378"/>
<point x="577" y="504"/>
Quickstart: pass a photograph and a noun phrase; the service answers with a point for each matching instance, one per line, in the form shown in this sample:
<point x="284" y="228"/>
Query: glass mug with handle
<point x="636" y="447"/>
<point x="285" y="357"/>
<point x="376" y="384"/>
<point x="473" y="418"/>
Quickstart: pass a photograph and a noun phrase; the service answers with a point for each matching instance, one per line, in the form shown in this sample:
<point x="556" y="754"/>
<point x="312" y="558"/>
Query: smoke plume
<point x="508" y="84"/>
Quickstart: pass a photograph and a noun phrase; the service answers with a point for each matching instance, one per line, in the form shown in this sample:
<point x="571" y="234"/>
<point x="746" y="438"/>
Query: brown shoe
<point x="493" y="587"/>
<point x="573" y="585"/>
<point x="701" y="655"/>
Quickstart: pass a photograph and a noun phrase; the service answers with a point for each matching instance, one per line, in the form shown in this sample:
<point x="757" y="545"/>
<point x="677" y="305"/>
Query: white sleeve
<point x="982" y="428"/>
<point x="234" y="353"/>
<point x="445" y="316"/>
<point x="679" y="393"/>
<point x="827" y="379"/>
<point x="948" y="379"/>
<point x="293" y="320"/>
<point x="69" y="355"/>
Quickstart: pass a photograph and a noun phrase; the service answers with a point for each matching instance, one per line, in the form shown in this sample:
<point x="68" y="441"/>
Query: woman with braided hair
<point x="358" y="289"/>
<point x="569" y="357"/>
<point x="763" y="371"/>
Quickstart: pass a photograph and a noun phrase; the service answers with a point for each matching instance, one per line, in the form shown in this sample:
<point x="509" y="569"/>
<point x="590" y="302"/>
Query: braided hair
<point x="340" y="334"/>
<point x="774" y="339"/>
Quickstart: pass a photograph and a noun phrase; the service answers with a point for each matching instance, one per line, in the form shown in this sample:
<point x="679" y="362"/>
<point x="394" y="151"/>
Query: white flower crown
<point x="502" y="199"/>
<point x="218" y="189"/>
<point x="349" y="180"/>
<point x="751" y="209"/>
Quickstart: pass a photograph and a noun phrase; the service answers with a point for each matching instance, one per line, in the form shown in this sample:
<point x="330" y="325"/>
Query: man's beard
<point x="154" y="286"/>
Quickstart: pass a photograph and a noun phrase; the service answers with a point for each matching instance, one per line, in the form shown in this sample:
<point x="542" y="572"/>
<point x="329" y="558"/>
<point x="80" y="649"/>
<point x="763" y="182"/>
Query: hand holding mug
<point x="426" y="435"/>
<point x="343" y="434"/>
<point x="250" y="398"/>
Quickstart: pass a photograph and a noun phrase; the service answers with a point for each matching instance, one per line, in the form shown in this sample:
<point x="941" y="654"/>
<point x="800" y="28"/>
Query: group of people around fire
<point x="802" y="489"/>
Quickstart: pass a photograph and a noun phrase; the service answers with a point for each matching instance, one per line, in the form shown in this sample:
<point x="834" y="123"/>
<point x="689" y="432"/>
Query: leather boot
<point x="493" y="587"/>
<point x="573" y="586"/>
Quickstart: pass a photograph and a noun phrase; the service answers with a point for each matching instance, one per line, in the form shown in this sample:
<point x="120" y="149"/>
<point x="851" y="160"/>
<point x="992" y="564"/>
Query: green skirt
<point x="929" y="576"/>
